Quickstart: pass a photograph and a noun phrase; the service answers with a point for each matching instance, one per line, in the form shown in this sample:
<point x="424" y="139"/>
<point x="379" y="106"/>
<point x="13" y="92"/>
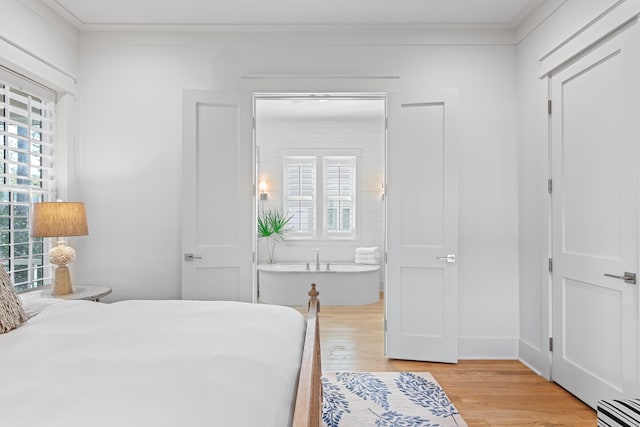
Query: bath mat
<point x="386" y="399"/>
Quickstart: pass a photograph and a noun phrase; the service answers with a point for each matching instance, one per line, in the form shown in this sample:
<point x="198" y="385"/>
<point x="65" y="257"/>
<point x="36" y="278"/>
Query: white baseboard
<point x="535" y="359"/>
<point x="488" y="348"/>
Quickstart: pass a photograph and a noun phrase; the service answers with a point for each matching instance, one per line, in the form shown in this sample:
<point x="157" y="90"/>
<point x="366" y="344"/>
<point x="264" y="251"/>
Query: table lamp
<point x="59" y="219"/>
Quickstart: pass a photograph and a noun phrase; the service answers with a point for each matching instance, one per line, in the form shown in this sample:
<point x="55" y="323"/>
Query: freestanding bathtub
<point x="342" y="284"/>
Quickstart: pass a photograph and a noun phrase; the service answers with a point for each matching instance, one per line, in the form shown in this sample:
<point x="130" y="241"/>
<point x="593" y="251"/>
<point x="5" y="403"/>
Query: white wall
<point x="326" y="137"/>
<point x="36" y="42"/>
<point x="129" y="162"/>
<point x="533" y="165"/>
<point x="362" y="137"/>
<point x="130" y="133"/>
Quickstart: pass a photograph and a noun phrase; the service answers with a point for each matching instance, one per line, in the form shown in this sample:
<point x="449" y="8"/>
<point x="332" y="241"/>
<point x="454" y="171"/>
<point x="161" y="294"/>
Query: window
<point x="300" y="194"/>
<point x="333" y="215"/>
<point x="26" y="175"/>
<point x="339" y="185"/>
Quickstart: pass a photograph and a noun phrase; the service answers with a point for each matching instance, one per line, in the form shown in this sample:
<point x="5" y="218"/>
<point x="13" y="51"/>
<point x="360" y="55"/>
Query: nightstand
<point x="80" y="292"/>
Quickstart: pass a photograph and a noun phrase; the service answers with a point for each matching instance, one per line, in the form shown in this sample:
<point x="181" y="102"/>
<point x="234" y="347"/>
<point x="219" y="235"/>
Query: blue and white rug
<point x="386" y="399"/>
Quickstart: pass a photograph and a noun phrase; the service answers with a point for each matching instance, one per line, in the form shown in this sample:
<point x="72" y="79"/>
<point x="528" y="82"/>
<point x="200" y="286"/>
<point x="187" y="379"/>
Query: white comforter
<point x="152" y="363"/>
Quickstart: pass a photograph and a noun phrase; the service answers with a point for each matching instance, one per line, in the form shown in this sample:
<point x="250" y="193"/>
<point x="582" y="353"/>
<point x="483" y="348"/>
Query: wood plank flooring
<point x="486" y="392"/>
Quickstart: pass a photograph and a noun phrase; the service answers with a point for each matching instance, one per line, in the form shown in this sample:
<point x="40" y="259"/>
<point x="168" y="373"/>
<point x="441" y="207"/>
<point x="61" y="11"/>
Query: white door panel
<point x="594" y="142"/>
<point x="421" y="289"/>
<point x="218" y="197"/>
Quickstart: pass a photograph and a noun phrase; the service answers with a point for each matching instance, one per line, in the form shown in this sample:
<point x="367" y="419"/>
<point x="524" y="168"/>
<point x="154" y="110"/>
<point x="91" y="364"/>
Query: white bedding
<point x="152" y="363"/>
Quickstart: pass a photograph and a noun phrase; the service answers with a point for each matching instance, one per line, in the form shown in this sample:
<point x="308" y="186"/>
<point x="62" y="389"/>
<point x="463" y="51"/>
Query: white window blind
<point x="339" y="185"/>
<point x="26" y="173"/>
<point x="299" y="191"/>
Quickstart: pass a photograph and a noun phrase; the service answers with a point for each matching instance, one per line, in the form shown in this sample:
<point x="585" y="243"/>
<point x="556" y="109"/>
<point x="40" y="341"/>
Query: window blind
<point x="300" y="194"/>
<point x="26" y="173"/>
<point x="339" y="176"/>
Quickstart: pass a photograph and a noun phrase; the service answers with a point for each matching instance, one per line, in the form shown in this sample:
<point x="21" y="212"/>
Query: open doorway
<point x="320" y="168"/>
<point x="419" y="215"/>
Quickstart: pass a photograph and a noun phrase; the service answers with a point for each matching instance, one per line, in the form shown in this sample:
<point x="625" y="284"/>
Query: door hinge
<point x="550" y="343"/>
<point x="550" y="265"/>
<point x="253" y="257"/>
<point x="550" y="186"/>
<point x="549" y="109"/>
<point x="385" y="257"/>
<point x="385" y="325"/>
<point x="254" y="122"/>
<point x="386" y="122"/>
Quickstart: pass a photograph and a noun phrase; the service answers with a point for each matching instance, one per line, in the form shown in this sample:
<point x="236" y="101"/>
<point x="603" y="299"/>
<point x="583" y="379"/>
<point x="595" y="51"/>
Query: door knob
<point x="448" y="258"/>
<point x="628" y="277"/>
<point x="191" y="257"/>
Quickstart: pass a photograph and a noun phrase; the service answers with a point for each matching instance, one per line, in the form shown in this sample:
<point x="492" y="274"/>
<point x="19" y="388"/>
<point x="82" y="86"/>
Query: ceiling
<point x="96" y="13"/>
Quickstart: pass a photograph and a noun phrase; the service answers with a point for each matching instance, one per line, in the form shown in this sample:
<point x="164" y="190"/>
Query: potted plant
<point x="272" y="225"/>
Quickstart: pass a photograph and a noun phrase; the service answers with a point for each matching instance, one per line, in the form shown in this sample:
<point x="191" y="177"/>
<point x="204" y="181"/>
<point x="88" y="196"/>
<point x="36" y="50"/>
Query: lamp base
<point x="62" y="281"/>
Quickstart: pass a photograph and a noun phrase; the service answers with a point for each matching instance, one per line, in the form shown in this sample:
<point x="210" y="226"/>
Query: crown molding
<point x="537" y="18"/>
<point x="64" y="13"/>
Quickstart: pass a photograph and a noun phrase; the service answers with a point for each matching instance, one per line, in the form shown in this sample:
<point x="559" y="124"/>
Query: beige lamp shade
<point x="58" y="219"/>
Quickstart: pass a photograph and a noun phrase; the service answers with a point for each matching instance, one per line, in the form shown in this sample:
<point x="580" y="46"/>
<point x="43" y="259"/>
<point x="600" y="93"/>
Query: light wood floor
<point x="486" y="392"/>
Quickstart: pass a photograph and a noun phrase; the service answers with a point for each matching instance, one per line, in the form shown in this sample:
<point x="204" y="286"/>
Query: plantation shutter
<point x="340" y="173"/>
<point x="26" y="174"/>
<point x="300" y="194"/>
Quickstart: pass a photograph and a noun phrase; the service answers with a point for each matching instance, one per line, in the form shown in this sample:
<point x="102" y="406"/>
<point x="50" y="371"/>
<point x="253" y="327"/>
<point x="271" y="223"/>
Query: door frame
<point x="560" y="65"/>
<point x="448" y="96"/>
<point x="449" y="336"/>
<point x="311" y="94"/>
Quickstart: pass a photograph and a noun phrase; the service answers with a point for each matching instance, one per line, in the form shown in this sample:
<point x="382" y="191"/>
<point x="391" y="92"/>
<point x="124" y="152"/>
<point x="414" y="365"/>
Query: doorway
<point x="320" y="168"/>
<point x="419" y="216"/>
<point x="594" y="155"/>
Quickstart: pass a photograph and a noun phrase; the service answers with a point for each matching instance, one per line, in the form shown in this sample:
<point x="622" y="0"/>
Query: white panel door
<point x="218" y="199"/>
<point x="594" y="143"/>
<point x="422" y="229"/>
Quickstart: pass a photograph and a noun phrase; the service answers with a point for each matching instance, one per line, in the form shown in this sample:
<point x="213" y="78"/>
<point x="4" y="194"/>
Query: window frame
<point x="27" y="125"/>
<point x="310" y="161"/>
<point x="329" y="161"/>
<point x="320" y="204"/>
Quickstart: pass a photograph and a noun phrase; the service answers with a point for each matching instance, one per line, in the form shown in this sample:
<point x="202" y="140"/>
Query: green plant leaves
<point x="272" y="225"/>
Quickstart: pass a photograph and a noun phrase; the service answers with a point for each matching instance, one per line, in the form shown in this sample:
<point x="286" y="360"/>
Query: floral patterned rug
<point x="386" y="399"/>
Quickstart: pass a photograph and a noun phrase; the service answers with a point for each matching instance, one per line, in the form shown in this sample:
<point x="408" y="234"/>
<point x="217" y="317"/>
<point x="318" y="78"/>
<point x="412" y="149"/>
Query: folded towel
<point x="367" y="251"/>
<point x="368" y="257"/>
<point x="374" y="261"/>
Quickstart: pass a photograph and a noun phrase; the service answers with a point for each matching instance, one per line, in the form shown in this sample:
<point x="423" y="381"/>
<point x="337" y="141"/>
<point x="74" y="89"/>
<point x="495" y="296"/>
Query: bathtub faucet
<point x="318" y="259"/>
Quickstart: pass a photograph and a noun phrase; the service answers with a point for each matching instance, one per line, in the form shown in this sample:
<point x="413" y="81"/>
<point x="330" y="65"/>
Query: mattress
<point x="152" y="363"/>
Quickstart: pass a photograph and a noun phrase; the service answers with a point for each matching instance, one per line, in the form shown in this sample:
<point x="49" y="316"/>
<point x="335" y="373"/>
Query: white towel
<point x="367" y="259"/>
<point x="367" y="251"/>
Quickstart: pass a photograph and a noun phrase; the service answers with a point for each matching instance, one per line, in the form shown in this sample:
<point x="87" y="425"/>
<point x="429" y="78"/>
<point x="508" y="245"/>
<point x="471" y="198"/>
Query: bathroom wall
<point x="331" y="134"/>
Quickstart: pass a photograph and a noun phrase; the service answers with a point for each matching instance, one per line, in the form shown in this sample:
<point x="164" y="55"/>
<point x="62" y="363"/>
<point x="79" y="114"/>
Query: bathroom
<point x="320" y="161"/>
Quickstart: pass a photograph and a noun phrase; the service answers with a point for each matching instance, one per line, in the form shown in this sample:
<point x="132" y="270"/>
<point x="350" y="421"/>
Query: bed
<point x="162" y="363"/>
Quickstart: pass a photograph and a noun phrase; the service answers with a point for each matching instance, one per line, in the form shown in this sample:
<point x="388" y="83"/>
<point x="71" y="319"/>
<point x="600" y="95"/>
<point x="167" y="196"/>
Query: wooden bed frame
<point x="308" y="409"/>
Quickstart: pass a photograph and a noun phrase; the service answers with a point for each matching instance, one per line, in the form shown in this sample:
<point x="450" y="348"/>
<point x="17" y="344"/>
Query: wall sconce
<point x="262" y="188"/>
